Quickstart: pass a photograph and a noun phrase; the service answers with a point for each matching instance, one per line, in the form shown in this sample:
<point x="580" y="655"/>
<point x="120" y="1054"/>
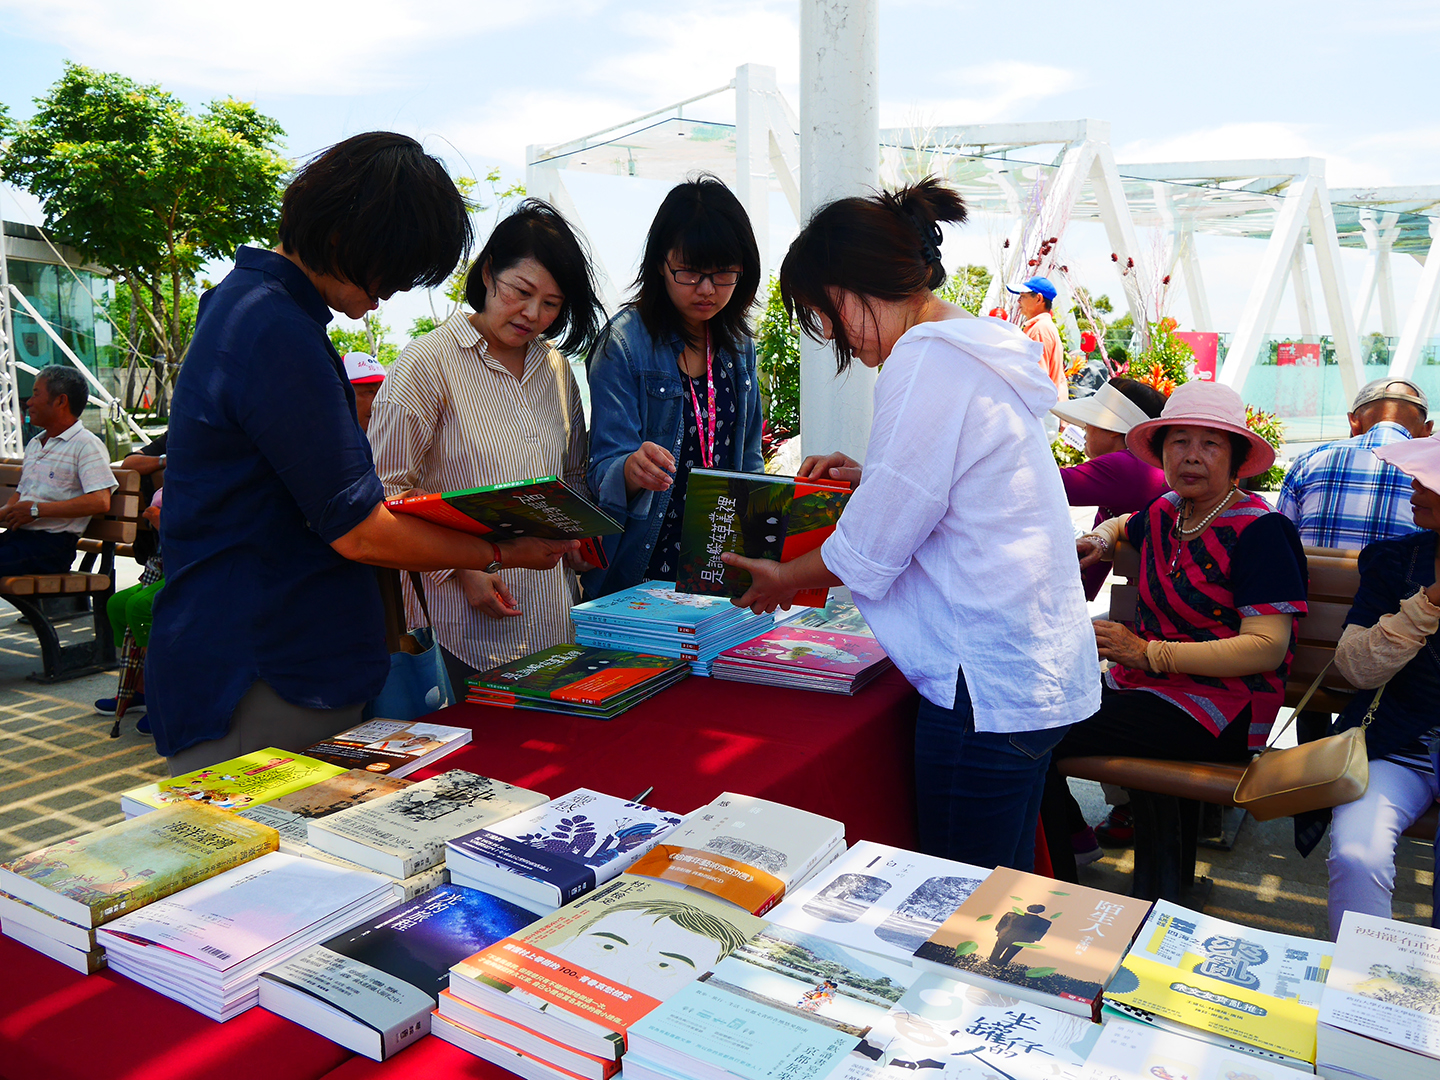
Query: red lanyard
<point x="707" y="456"/>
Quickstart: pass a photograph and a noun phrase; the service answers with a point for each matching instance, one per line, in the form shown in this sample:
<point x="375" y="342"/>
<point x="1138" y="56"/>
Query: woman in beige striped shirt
<point x="485" y="399"/>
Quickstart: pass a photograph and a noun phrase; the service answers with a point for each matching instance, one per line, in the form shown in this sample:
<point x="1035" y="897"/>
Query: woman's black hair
<point x="1239" y="446"/>
<point x="378" y="212"/>
<point x="1150" y="400"/>
<point x="535" y="229"/>
<point x="703" y="222"/>
<point x="881" y="247"/>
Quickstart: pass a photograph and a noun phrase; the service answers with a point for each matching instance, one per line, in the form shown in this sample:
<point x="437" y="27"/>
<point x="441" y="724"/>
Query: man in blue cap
<point x="1036" y="295"/>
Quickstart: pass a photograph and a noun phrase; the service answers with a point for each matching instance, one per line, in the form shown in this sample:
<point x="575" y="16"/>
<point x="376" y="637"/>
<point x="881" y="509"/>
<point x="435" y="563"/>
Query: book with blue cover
<point x="373" y="987"/>
<point x="558" y="852"/>
<point x="783" y="1004"/>
<point x="658" y="608"/>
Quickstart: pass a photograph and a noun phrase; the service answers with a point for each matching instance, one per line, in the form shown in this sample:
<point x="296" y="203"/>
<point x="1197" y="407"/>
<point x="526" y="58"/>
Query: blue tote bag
<point x="418" y="683"/>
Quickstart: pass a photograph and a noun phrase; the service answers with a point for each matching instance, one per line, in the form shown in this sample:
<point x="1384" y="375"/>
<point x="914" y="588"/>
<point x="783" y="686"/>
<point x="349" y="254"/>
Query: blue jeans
<point x="978" y="792"/>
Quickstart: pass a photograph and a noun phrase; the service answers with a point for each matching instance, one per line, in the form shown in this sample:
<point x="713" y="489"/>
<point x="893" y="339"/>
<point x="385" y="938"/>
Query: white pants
<point x="1363" y="836"/>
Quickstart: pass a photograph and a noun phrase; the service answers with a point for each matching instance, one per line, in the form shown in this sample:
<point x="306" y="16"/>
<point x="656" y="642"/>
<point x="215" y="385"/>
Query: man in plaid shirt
<point x="1341" y="495"/>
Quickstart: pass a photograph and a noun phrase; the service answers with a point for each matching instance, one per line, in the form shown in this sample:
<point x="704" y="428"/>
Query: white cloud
<point x="266" y="46"/>
<point x="994" y="91"/>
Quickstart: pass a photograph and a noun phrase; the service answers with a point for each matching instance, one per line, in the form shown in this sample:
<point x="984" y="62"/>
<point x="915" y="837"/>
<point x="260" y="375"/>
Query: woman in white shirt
<point x="957" y="544"/>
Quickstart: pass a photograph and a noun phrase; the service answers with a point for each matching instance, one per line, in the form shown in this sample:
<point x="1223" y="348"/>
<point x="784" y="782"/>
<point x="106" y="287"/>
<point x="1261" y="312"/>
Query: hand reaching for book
<point x="836" y="466"/>
<point x="769" y="586"/>
<point x="487" y="593"/>
<point x="651" y="468"/>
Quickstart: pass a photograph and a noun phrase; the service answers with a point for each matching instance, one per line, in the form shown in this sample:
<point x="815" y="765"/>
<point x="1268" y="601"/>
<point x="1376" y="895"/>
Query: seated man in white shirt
<point x="65" y="481"/>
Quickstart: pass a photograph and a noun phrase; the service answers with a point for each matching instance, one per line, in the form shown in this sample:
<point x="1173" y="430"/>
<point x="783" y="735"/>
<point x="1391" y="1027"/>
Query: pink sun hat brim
<point x="1416" y="458"/>
<point x="1203" y="404"/>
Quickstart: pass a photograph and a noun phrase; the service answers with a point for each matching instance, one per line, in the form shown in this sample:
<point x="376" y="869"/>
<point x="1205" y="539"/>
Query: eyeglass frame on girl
<point x="713" y="276"/>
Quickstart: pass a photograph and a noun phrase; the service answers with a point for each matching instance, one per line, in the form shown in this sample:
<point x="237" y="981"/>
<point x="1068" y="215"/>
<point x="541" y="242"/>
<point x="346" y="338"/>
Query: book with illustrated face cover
<point x="756" y="515"/>
<point x="545" y="506"/>
<point x="1036" y="939"/>
<point x="838" y="616"/>
<point x="584" y="975"/>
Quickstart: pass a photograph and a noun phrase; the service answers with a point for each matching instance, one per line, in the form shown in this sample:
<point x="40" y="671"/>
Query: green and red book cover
<point x="546" y="507"/>
<point x="756" y="515"/>
<point x="575" y="675"/>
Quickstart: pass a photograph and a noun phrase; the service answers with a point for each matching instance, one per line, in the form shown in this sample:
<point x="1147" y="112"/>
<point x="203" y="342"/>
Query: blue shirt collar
<point x="289" y="275"/>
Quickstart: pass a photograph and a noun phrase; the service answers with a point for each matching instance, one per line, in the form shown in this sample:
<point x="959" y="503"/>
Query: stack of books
<point x="838" y="616"/>
<point x="578" y="680"/>
<point x="404" y="833"/>
<point x="1251" y="991"/>
<point x="1380" y="1012"/>
<point x="1126" y="1051"/>
<point x="54" y="898"/>
<point x="554" y="854"/>
<point x="1043" y="941"/>
<point x="653" y="618"/>
<point x="806" y="659"/>
<point x="290" y="816"/>
<point x="206" y="946"/>
<point x="392" y="747"/>
<point x="745" y="850"/>
<point x="237" y="784"/>
<point x="372" y="989"/>
<point x="557" y="998"/>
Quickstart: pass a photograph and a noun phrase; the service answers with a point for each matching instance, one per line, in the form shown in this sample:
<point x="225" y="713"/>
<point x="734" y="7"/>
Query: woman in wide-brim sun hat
<point x="1222" y="581"/>
<point x="1389" y="640"/>
<point x="1111" y="478"/>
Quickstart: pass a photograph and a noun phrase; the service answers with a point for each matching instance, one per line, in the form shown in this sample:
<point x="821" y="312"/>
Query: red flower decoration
<point x="1165" y="280"/>
<point x="1007" y="243"/>
<point x="1053" y="240"/>
<point x="1088" y="343"/>
<point x="999" y="313"/>
<point x="1114" y="258"/>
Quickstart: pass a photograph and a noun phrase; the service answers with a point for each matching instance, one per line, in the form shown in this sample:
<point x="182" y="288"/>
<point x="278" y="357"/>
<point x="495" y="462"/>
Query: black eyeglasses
<point x="718" y="278"/>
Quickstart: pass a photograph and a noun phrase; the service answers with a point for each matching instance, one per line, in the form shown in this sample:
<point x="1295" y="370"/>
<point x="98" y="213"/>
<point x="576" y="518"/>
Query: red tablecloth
<point x="846" y="758"/>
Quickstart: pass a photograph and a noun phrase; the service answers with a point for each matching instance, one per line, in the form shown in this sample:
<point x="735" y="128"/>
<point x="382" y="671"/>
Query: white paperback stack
<point x="404" y="833"/>
<point x="207" y="945"/>
<point x="653" y="618"/>
<point x="559" y="851"/>
<point x="745" y="850"/>
<point x="1380" y="1012"/>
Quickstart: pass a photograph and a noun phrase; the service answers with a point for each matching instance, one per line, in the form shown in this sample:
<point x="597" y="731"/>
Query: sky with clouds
<point x="478" y="81"/>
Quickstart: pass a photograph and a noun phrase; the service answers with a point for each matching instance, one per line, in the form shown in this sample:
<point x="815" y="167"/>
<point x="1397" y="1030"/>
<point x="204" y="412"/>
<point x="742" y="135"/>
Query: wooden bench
<point x="27" y="591"/>
<point x="1166" y="795"/>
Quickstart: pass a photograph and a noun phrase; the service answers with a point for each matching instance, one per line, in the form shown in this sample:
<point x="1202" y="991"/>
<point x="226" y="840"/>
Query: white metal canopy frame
<point x="1284" y="202"/>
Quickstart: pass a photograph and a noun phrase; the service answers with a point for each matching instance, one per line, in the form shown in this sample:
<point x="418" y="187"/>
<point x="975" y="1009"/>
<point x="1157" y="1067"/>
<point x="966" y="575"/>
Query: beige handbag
<point x="1312" y="776"/>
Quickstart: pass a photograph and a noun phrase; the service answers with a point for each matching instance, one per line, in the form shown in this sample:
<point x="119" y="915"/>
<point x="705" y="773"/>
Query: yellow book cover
<point x="235" y="784"/>
<point x="101" y="875"/>
<point x="1250" y="986"/>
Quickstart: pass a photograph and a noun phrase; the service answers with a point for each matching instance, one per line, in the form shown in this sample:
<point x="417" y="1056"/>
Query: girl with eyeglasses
<point x="673" y="384"/>
<point x="487" y="398"/>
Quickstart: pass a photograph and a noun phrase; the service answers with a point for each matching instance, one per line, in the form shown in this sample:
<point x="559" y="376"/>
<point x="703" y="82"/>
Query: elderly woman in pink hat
<point x="1390" y="641"/>
<point x="1223" y="578"/>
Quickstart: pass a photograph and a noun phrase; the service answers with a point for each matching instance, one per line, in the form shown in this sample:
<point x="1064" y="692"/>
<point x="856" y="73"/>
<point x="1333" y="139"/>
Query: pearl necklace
<point x="1181" y="534"/>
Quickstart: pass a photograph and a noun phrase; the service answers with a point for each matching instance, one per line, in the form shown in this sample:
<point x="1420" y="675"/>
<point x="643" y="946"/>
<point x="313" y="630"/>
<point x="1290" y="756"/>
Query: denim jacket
<point x="1390" y="571"/>
<point x="637" y="395"/>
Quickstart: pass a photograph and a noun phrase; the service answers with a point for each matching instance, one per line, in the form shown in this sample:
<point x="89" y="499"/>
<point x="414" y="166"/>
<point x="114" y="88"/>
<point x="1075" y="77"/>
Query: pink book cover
<point x="803" y="649"/>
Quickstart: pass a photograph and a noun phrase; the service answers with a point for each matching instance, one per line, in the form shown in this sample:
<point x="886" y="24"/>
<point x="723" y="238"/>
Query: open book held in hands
<point x="546" y="507"/>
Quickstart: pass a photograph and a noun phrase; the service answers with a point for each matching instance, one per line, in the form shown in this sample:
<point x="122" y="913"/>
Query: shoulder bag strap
<point x="418" y="583"/>
<point x="1369" y="713"/>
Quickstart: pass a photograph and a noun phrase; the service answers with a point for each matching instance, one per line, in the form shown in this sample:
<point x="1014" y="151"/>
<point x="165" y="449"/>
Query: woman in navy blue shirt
<point x="270" y="631"/>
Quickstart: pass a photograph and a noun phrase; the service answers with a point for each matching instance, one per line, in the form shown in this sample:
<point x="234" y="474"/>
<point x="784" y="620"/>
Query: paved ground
<point x="61" y="774"/>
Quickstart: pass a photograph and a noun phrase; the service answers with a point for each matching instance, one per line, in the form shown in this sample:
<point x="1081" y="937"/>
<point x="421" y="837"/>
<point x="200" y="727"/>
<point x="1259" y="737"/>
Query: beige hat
<point x="1203" y="404"/>
<point x="1418" y="458"/>
<point x="1107" y="408"/>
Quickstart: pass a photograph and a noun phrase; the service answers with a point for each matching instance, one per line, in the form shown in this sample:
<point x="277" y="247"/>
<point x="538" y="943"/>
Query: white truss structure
<point x="11" y="443"/>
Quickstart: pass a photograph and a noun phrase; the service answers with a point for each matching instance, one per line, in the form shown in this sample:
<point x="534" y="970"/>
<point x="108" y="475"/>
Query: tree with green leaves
<point x="373" y="337"/>
<point x="140" y="185"/>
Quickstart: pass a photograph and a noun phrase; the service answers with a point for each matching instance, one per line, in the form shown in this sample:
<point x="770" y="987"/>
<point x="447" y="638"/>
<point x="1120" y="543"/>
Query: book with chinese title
<point x="756" y="515"/>
<point x="1252" y="990"/>
<point x="546" y="507"/>
<point x="1380" y="1013"/>
<point x="744" y="850"/>
<point x="393" y="747"/>
<point x="942" y="1027"/>
<point x="241" y="782"/>
<point x="784" y="1003"/>
<point x="577" y="679"/>
<point x="1044" y="941"/>
<point x="372" y="988"/>
<point x="584" y="975"/>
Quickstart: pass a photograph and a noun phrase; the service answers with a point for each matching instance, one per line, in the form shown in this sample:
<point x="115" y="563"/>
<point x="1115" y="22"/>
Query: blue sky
<point x="478" y="81"/>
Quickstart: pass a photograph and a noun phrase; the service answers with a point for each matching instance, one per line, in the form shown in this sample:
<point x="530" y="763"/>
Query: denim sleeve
<point x="616" y="429"/>
<point x="298" y="414"/>
<point x="754" y="458"/>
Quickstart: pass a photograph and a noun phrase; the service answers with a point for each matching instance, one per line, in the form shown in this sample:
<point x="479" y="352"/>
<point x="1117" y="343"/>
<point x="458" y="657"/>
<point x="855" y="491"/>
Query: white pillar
<point x="1421" y="319"/>
<point x="753" y="82"/>
<point x="1304" y="303"/>
<point x="839" y="156"/>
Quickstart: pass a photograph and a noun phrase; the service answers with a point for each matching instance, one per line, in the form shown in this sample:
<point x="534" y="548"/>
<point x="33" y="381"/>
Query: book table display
<point x="844" y="758"/>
